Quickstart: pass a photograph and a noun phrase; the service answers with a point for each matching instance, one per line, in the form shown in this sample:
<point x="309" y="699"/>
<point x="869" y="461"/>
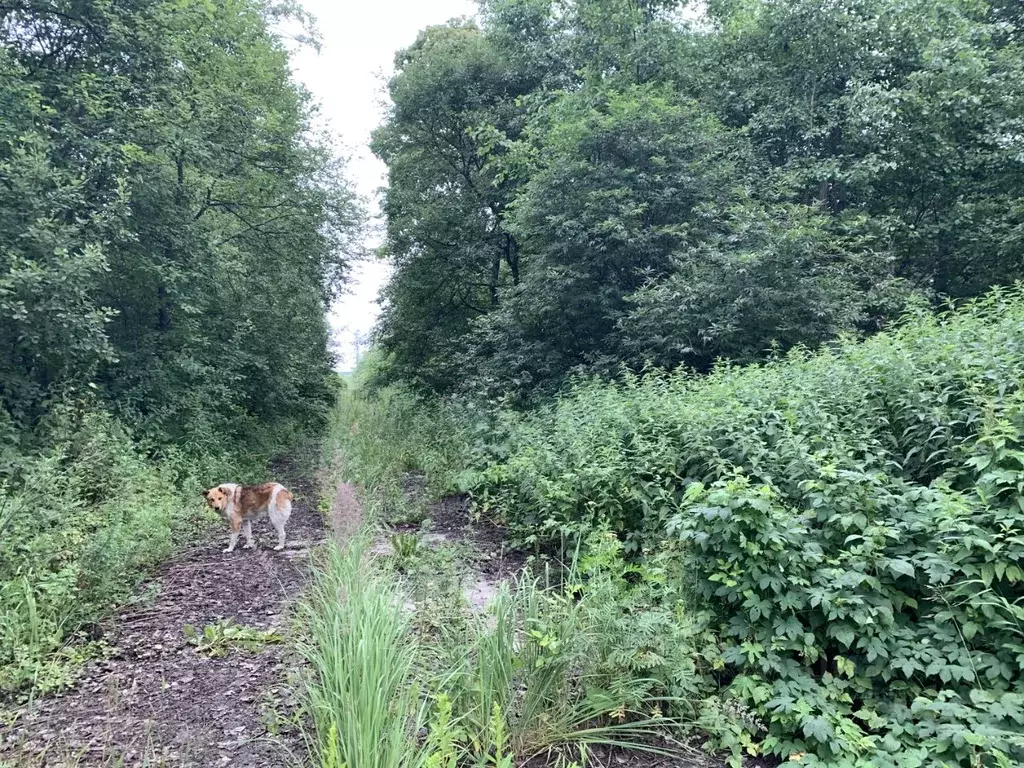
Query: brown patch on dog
<point x="252" y="499"/>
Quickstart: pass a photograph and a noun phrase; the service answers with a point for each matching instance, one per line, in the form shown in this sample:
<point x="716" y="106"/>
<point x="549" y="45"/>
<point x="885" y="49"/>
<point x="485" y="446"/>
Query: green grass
<point x="378" y="437"/>
<point x="391" y="689"/>
<point x="363" y="702"/>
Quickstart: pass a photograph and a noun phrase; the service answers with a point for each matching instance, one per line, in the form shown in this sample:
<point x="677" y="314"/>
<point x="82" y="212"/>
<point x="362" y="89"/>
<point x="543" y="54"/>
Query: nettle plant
<point x="852" y="527"/>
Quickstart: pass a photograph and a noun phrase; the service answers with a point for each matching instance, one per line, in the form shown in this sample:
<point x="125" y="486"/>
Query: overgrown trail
<point x="346" y="512"/>
<point x="156" y="701"/>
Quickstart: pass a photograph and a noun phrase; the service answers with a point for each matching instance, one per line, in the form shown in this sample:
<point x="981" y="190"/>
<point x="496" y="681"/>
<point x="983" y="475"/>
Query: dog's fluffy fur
<point x="241" y="504"/>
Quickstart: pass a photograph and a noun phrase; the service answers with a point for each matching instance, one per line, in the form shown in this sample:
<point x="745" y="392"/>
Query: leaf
<point x="901" y="567"/>
<point x="818" y="728"/>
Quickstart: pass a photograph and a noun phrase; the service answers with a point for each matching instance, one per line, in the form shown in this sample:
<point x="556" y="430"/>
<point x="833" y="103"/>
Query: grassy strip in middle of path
<point x="523" y="680"/>
<point x="362" y="698"/>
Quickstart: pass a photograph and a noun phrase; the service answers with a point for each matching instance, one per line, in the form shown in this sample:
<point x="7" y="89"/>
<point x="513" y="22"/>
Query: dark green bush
<point x="854" y="520"/>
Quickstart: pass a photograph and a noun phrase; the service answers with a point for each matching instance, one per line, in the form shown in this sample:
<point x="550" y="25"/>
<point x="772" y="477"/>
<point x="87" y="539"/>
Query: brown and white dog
<point x="241" y="504"/>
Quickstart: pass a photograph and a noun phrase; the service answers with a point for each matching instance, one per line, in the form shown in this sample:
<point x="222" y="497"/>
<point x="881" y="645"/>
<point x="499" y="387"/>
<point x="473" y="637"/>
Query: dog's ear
<point x="206" y="494"/>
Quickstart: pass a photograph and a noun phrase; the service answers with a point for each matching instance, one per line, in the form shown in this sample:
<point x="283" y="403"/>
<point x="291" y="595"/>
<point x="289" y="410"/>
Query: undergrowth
<point x="538" y="673"/>
<point x="824" y="554"/>
<point x="381" y="437"/>
<point x="853" y="521"/>
<point x="82" y="520"/>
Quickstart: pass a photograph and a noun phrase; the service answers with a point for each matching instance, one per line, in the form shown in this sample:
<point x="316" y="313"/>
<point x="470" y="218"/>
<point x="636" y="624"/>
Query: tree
<point x="771" y="174"/>
<point x="445" y="210"/>
<point x="162" y="163"/>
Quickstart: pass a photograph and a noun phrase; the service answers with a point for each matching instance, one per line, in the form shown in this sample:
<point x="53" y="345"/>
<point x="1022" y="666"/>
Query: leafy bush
<point x="853" y="525"/>
<point x="80" y="523"/>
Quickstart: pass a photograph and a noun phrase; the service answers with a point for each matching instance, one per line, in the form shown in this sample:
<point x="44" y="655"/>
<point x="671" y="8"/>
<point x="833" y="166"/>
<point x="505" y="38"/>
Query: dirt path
<point x="156" y="701"/>
<point x="346" y="512"/>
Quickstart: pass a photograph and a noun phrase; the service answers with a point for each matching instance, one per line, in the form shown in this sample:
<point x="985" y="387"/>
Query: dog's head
<point x="218" y="497"/>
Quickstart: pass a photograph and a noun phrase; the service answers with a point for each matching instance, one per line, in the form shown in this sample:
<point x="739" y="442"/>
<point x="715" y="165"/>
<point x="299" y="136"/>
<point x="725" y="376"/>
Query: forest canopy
<point x="578" y="184"/>
<point x="171" y="225"/>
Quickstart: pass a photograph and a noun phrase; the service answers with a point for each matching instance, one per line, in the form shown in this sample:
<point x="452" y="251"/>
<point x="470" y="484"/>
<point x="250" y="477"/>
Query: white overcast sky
<point x="347" y="77"/>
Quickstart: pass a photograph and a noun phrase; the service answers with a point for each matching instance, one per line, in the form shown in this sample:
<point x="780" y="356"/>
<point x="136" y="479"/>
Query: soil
<point x="156" y="701"/>
<point x="491" y="562"/>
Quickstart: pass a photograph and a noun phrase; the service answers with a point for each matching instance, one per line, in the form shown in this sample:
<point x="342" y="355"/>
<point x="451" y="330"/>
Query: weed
<point x="496" y="688"/>
<point x="219" y="638"/>
<point x="525" y="680"/>
<point x="405" y="548"/>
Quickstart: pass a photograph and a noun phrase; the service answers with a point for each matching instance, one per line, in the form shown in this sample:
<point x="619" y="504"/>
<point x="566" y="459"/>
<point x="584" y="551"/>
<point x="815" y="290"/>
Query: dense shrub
<point x="81" y="522"/>
<point x="854" y="520"/>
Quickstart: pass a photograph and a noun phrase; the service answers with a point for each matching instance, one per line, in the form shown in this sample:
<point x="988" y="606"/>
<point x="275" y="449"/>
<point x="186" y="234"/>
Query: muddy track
<point x="156" y="701"/>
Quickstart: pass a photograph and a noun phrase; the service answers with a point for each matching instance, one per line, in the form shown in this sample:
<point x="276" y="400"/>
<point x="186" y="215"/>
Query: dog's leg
<point x="280" y="510"/>
<point x="247" y="530"/>
<point x="236" y="525"/>
<point x="278" y="524"/>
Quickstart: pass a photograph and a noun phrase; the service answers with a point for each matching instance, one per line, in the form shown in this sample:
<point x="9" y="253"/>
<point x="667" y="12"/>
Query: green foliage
<point x="553" y="666"/>
<point x="849" y="525"/>
<point x="523" y="681"/>
<point x="79" y="525"/>
<point x="383" y="434"/>
<point x="219" y="638"/>
<point x="362" y="699"/>
<point x="575" y="185"/>
<point x="443" y="207"/>
<point x="171" y="230"/>
<point x="405" y="547"/>
<point x="536" y="674"/>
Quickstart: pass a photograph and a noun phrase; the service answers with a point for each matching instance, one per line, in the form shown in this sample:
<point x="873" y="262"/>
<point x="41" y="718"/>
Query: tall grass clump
<point x="383" y="434"/>
<point x="851" y="523"/>
<point x="362" y="699"/>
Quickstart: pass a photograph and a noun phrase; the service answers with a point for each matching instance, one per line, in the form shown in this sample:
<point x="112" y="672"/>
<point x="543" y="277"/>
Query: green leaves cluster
<point x="171" y="227"/>
<point x="852" y="520"/>
<point x="580" y="183"/>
